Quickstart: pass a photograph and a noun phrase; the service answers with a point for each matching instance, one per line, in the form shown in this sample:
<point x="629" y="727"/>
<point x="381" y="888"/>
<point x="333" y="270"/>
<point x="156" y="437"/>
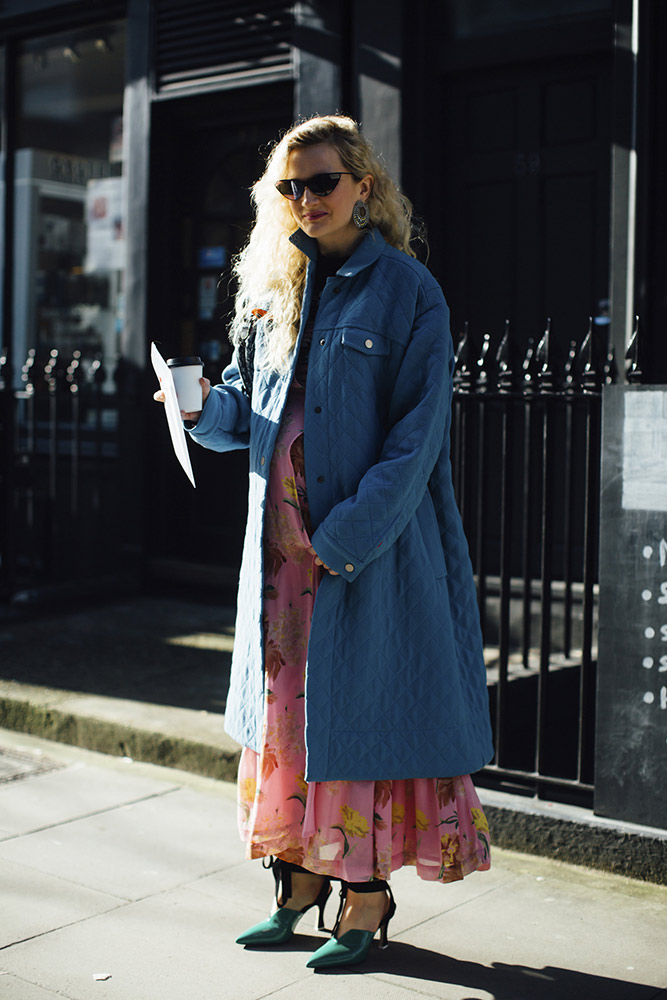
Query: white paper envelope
<point x="173" y="412"/>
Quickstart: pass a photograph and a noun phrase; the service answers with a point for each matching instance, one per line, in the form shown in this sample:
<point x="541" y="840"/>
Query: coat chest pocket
<point x="365" y="342"/>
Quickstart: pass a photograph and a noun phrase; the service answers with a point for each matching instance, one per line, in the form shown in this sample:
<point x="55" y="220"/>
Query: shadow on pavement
<point x="499" y="980"/>
<point x="164" y="650"/>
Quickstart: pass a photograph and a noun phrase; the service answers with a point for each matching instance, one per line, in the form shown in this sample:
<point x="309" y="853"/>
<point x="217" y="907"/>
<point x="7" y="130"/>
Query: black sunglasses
<point x="320" y="184"/>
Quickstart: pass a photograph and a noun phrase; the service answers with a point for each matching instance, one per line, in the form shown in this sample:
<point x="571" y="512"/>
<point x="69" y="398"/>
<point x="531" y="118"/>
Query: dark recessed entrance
<point x="206" y="151"/>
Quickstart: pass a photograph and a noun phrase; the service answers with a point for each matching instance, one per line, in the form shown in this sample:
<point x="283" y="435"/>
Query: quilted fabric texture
<point x="395" y="682"/>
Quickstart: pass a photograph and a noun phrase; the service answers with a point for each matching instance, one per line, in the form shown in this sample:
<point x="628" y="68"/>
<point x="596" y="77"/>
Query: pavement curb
<point x="118" y="740"/>
<point x="576" y="836"/>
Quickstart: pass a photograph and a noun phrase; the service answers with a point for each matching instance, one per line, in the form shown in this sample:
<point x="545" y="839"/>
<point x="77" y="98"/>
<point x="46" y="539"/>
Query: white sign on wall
<point x="645" y="451"/>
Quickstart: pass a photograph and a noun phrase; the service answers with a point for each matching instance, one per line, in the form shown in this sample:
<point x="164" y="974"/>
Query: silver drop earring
<point x="361" y="215"/>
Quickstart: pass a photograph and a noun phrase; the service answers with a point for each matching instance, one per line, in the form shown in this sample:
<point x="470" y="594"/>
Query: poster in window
<point x="105" y="225"/>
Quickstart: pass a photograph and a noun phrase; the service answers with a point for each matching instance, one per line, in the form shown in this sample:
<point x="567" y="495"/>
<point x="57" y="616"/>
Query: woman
<point x="358" y="687"/>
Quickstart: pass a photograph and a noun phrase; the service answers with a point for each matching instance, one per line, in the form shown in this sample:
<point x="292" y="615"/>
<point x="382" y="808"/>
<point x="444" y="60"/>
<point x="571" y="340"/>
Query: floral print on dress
<point x="354" y="830"/>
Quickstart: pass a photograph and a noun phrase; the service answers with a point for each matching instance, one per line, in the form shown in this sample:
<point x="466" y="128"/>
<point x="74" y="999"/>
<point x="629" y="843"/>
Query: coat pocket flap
<point x="365" y="341"/>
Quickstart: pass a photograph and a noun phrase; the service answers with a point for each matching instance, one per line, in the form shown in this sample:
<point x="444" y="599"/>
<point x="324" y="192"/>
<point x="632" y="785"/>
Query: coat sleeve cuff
<point x="347" y="565"/>
<point x="224" y="420"/>
<point x="207" y="418"/>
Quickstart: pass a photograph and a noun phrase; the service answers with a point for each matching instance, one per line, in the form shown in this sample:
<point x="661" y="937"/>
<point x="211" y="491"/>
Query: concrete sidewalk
<point x="135" y="873"/>
<point x="147" y="677"/>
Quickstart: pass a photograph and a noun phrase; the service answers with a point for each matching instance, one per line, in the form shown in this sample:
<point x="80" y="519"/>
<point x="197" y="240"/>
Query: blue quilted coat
<point x="395" y="681"/>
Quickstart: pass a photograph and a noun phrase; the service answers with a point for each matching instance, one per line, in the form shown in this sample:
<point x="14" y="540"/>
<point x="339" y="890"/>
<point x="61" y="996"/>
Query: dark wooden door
<point x="523" y="183"/>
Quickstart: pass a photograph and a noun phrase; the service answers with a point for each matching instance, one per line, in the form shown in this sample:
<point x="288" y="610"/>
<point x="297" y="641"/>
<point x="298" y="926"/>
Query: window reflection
<point x="69" y="247"/>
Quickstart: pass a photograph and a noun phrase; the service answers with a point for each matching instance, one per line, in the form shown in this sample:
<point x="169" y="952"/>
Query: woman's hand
<point x="194" y="416"/>
<point x="318" y="561"/>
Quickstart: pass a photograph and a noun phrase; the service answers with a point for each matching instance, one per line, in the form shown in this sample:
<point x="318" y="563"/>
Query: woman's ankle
<point x="305" y="887"/>
<point x="363" y="911"/>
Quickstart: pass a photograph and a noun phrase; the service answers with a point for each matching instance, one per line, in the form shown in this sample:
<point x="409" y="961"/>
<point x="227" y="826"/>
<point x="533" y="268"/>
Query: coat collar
<point x="363" y="256"/>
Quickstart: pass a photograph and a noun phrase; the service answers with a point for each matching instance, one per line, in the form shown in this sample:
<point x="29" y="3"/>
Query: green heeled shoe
<point x="353" y="947"/>
<point x="281" y="925"/>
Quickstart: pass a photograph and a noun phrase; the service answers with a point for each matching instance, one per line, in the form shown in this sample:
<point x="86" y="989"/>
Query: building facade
<point x="527" y="134"/>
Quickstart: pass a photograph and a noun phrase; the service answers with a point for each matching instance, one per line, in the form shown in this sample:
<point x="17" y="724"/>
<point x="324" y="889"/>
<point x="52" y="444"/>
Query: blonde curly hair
<point x="270" y="271"/>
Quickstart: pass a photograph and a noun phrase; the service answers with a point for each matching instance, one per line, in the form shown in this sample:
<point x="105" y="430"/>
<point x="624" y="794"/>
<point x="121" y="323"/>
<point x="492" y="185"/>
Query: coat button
<point x="336" y="290"/>
<point x="322" y="342"/>
<point x="349" y="568"/>
<point x="318" y="409"/>
<point x="320" y="479"/>
<point x="262" y="460"/>
<point x="368" y="344"/>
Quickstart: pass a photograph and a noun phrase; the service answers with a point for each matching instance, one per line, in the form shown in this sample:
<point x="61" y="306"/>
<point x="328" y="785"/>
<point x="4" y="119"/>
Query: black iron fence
<point x="64" y="474"/>
<point x="526" y="461"/>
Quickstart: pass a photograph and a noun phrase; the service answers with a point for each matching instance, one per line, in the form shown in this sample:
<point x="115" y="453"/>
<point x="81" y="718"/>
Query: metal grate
<point x="206" y="41"/>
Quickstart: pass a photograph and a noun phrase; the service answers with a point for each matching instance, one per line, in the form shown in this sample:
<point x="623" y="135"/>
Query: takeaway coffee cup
<point x="186" y="373"/>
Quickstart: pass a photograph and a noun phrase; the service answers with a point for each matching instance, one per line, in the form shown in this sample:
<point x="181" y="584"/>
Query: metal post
<point x="506" y="495"/>
<point x="527" y="389"/>
<point x="480" y="527"/>
<point x="546" y="387"/>
<point x="624" y="173"/>
<point x="592" y="378"/>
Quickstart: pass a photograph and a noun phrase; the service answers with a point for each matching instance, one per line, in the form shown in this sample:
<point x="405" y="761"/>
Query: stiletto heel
<point x="321" y="902"/>
<point x="385" y="924"/>
<point x="353" y="946"/>
<point x="281" y="925"/>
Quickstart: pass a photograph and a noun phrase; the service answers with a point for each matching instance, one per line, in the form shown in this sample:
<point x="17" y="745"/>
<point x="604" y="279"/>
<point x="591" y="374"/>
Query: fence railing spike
<point x="462" y="371"/>
<point x="586" y="349"/>
<point x="591" y="367"/>
<point x="545" y="376"/>
<point x="462" y="345"/>
<point x="505" y="374"/>
<point x="634" y="372"/>
<point x="52" y="370"/>
<point x="610" y="371"/>
<point x="570" y="368"/>
<point x="483" y="364"/>
<point x="27" y="371"/>
<point x="74" y="373"/>
<point x="97" y="372"/>
<point x="528" y="366"/>
<point x="543" y="346"/>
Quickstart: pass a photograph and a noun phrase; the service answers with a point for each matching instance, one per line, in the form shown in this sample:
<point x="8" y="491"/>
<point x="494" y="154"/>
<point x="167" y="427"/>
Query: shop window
<point x="69" y="214"/>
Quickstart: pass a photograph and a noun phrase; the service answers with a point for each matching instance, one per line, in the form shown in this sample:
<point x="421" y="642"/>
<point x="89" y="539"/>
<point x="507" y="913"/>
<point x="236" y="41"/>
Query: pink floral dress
<point x="352" y="830"/>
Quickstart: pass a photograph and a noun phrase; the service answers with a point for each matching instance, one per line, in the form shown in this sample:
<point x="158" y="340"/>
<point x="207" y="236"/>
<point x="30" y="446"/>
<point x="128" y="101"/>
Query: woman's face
<point x="327" y="218"/>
